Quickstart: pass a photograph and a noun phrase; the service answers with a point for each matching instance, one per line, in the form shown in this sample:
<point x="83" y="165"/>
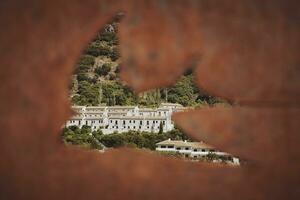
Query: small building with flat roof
<point x="193" y="150"/>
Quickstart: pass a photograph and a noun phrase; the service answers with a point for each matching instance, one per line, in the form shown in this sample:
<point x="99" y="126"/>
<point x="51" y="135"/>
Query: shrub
<point x="109" y="37"/>
<point x="82" y="77"/>
<point x="112" y="76"/>
<point x="96" y="51"/>
<point x="103" y="70"/>
<point x="114" y="54"/>
<point x="86" y="60"/>
<point x="82" y="69"/>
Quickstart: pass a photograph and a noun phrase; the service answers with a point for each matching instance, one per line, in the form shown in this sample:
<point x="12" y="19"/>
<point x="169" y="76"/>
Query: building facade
<point x="125" y="118"/>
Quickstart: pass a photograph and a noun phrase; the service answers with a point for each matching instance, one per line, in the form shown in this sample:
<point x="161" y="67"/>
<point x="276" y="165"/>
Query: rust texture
<point x="245" y="51"/>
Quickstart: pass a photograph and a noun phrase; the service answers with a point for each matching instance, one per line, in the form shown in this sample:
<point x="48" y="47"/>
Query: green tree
<point x="86" y="60"/>
<point x="114" y="54"/>
<point x="74" y="129"/>
<point x="113" y="140"/>
<point x="161" y="128"/>
<point x="98" y="134"/>
<point x="88" y="94"/>
<point x="82" y="77"/>
<point x="103" y="70"/>
<point x="97" y="49"/>
<point x="183" y="91"/>
<point x="86" y="129"/>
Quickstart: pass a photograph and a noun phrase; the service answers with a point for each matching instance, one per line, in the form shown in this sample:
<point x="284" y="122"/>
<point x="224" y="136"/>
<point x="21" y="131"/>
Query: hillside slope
<point x="96" y="82"/>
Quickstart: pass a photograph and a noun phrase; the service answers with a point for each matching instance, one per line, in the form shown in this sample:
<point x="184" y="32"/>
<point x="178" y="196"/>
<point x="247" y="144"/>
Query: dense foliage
<point x="83" y="137"/>
<point x="95" y="140"/>
<point x="103" y="70"/>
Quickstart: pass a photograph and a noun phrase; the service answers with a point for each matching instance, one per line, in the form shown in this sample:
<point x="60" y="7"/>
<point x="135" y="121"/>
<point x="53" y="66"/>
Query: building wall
<point x="123" y="119"/>
<point x="189" y="151"/>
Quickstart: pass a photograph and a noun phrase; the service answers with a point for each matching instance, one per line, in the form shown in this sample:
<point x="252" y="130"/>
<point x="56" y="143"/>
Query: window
<point x="203" y="150"/>
<point x="147" y="122"/>
<point x="123" y="122"/>
<point x="163" y="146"/>
<point x="178" y="148"/>
<point x="170" y="146"/>
<point x="141" y="122"/>
<point x="187" y="148"/>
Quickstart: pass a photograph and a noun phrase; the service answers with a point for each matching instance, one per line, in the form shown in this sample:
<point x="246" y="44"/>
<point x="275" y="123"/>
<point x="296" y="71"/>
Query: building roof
<point x="94" y="118"/>
<point x="76" y="117"/>
<point x="161" y="108"/>
<point x="147" y="110"/>
<point x="180" y="143"/>
<point x="121" y="107"/>
<point x="78" y="106"/>
<point x="138" y="117"/>
<point x="118" y="112"/>
<point x="95" y="107"/>
<point x="171" y="104"/>
<point x="94" y="112"/>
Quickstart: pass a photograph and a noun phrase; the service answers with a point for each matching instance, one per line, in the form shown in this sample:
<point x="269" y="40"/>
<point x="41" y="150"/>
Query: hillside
<point x="95" y="80"/>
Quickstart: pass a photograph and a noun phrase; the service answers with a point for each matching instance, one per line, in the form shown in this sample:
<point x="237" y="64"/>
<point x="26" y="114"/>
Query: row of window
<point x="123" y="121"/>
<point x="93" y="115"/>
<point x="116" y="123"/>
<point x="153" y="113"/>
<point x="134" y="127"/>
<point x="186" y="148"/>
<point x="133" y="121"/>
<point x="74" y="121"/>
<point x="94" y="121"/>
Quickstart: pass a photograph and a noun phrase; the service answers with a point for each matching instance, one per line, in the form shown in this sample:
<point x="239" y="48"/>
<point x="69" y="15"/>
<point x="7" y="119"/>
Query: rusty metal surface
<point x="254" y="45"/>
<point x="263" y="135"/>
<point x="246" y="51"/>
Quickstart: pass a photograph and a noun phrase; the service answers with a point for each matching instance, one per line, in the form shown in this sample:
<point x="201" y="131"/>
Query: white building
<point x="125" y="118"/>
<point x="193" y="149"/>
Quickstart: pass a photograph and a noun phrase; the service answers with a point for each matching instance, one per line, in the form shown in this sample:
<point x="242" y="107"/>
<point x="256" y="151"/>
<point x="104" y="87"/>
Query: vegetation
<point x="103" y="70"/>
<point x="212" y="157"/>
<point x="82" y="137"/>
<point x="86" y="138"/>
<point x="89" y="139"/>
<point x="97" y="82"/>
